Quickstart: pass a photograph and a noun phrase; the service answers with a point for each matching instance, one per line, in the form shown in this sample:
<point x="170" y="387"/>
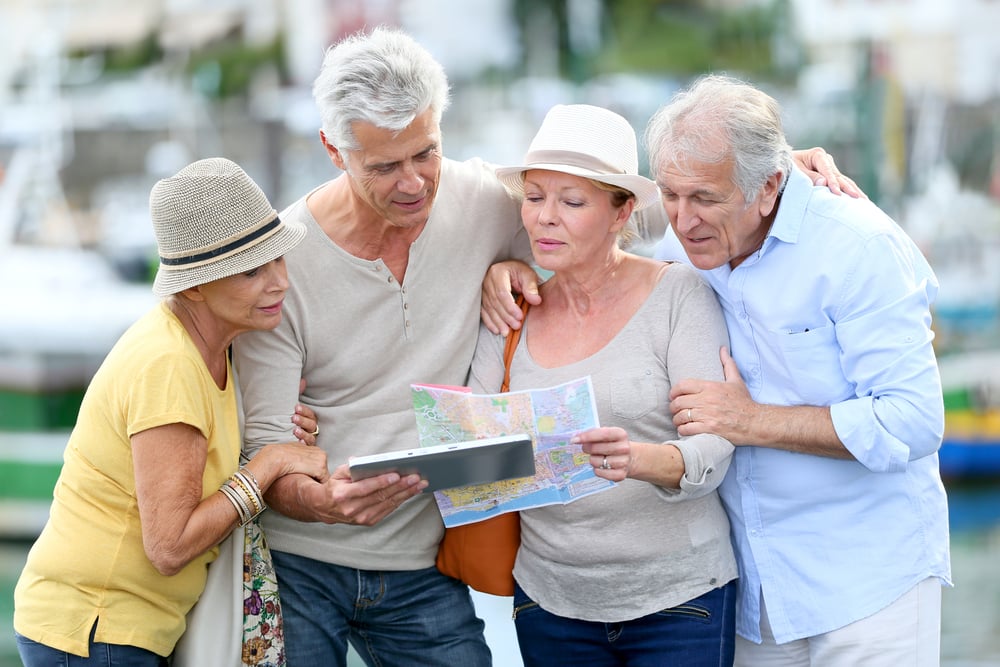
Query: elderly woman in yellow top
<point x="151" y="481"/>
<point x="643" y="573"/>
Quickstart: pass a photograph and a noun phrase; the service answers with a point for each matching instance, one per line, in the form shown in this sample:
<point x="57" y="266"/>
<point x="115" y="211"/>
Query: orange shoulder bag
<point x="482" y="554"/>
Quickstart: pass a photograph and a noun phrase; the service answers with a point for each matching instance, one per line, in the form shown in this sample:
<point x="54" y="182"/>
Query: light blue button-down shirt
<point x="834" y="309"/>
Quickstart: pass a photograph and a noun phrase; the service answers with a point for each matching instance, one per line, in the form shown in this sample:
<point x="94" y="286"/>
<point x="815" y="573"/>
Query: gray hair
<point x="384" y="78"/>
<point x="722" y="110"/>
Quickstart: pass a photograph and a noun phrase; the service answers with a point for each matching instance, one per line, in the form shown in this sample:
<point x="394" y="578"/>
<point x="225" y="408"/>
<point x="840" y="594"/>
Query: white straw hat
<point x="212" y="221"/>
<point x="586" y="141"/>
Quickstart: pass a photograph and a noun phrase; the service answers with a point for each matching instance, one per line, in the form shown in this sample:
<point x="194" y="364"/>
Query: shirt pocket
<point x="812" y="364"/>
<point x="633" y="398"/>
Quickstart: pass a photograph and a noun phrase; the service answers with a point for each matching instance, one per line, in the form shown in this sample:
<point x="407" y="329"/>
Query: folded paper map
<point x="551" y="416"/>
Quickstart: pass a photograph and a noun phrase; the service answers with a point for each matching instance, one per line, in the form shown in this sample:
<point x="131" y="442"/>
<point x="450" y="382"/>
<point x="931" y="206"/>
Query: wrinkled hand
<point x="723" y="408"/>
<point x="819" y="166"/>
<point x="499" y="312"/>
<point x="294" y="457"/>
<point x="610" y="451"/>
<point x="367" y="501"/>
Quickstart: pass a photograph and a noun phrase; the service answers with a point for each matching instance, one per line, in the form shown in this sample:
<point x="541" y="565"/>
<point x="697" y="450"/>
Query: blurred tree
<point x="128" y="57"/>
<point x="543" y="24"/>
<point x="678" y="37"/>
<point x="227" y="69"/>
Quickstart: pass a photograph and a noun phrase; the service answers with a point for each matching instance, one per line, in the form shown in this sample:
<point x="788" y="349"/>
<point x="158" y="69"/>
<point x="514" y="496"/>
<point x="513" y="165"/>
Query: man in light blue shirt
<point x="832" y="393"/>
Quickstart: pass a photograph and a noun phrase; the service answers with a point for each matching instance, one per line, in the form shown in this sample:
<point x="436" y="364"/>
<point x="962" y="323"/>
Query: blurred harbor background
<point x="100" y="98"/>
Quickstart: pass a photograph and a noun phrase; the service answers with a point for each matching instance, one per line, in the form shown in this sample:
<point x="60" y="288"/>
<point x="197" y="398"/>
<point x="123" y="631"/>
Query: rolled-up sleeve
<point x="706" y="460"/>
<point x="886" y="343"/>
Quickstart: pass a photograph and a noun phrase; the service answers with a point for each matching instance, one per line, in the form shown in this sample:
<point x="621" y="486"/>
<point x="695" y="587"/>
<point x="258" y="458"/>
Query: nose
<point x="685" y="216"/>
<point x="549" y="213"/>
<point x="410" y="181"/>
<point x="278" y="274"/>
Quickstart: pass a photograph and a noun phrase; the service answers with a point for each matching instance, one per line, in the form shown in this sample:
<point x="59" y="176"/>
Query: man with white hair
<point x="385" y="293"/>
<point x="832" y="394"/>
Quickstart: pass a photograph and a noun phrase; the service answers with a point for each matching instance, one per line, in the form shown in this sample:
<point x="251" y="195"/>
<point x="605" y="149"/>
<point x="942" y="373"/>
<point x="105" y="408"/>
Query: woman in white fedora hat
<point x="151" y="480"/>
<point x="643" y="573"/>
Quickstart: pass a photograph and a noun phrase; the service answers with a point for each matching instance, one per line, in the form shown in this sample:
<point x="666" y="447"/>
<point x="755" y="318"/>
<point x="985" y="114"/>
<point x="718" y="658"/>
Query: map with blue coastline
<point x="551" y="416"/>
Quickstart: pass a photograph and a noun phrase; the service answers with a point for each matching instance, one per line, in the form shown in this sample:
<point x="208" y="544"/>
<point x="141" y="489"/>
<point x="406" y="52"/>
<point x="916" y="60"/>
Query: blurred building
<point x="945" y="48"/>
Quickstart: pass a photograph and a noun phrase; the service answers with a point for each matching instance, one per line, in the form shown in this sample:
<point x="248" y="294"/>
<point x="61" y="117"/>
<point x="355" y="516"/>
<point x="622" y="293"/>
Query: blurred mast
<point x="32" y="203"/>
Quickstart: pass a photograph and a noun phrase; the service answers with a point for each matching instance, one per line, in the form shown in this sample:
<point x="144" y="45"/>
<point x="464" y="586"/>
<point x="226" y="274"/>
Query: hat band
<point x="226" y="249"/>
<point x="572" y="159"/>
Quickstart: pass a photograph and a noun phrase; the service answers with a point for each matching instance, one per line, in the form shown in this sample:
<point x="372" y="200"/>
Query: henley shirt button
<point x="390" y="279"/>
<point x="712" y="581"/>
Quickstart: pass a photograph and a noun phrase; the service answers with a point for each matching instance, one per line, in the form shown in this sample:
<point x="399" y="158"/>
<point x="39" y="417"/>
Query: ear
<point x="332" y="152"/>
<point x="192" y="293"/>
<point x="624" y="213"/>
<point x="769" y="194"/>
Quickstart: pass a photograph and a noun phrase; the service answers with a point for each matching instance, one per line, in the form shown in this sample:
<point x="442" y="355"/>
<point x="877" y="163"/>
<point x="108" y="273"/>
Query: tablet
<point x="455" y="464"/>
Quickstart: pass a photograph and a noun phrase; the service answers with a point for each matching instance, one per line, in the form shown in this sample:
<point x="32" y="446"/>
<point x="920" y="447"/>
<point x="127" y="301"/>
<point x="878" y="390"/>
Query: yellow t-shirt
<point x="88" y="563"/>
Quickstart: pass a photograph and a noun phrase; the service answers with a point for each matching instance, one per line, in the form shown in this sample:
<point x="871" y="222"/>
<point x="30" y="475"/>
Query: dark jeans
<point x="698" y="633"/>
<point x="34" y="654"/>
<point x="390" y="618"/>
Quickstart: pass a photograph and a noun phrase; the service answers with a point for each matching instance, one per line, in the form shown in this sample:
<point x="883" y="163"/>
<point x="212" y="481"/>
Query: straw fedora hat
<point x="212" y="221"/>
<point x="586" y="141"/>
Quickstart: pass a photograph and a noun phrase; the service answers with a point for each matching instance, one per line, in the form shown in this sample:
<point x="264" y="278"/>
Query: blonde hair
<point x="619" y="196"/>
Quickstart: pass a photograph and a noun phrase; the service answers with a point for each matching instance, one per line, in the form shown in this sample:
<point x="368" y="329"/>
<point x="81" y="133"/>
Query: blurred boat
<point x="65" y="312"/>
<point x="959" y="231"/>
<point x="971" y="447"/>
<point x="64" y="307"/>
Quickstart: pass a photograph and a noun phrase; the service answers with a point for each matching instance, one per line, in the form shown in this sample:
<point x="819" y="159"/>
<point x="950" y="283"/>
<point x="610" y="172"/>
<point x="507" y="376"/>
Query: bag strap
<point x="511" y="343"/>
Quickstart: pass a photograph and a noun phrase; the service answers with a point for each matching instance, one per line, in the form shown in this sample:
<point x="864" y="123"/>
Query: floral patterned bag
<point x="237" y="619"/>
<point x="263" y="633"/>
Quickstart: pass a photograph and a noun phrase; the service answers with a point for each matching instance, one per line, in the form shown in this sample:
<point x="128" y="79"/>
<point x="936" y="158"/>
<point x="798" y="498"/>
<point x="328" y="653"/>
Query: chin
<point x="705" y="263"/>
<point x="269" y="323"/>
<point x="411" y="220"/>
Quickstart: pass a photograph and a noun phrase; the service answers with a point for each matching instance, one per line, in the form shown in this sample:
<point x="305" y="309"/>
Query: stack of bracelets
<point x="245" y="495"/>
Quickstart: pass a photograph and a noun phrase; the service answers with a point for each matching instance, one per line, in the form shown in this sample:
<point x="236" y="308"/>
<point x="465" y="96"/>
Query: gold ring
<point x="690" y="418"/>
<point x="316" y="432"/>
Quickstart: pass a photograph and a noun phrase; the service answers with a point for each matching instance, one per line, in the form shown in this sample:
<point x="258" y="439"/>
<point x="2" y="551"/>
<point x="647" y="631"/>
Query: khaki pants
<point x="906" y="633"/>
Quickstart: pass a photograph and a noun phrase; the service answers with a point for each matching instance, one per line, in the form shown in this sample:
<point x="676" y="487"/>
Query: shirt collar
<point x="792" y="207"/>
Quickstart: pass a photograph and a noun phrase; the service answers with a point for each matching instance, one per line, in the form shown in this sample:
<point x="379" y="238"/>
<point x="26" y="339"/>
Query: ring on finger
<point x="316" y="432"/>
<point x="605" y="465"/>
<point x="690" y="418"/>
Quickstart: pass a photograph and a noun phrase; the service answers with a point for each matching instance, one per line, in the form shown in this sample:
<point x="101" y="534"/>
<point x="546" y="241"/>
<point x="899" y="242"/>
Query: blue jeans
<point x="34" y="654"/>
<point x="698" y="633"/>
<point x="390" y="618"/>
